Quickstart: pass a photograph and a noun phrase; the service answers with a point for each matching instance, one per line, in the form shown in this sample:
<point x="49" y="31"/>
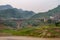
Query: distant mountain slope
<point x="40" y="16"/>
<point x="7" y="11"/>
<point x="55" y="11"/>
<point x="3" y="7"/>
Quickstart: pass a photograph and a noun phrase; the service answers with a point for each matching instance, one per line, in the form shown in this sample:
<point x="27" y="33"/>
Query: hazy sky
<point x="34" y="5"/>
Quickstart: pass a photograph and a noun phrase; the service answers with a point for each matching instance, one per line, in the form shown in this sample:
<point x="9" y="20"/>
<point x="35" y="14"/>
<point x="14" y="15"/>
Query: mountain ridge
<point x="52" y="12"/>
<point x="7" y="11"/>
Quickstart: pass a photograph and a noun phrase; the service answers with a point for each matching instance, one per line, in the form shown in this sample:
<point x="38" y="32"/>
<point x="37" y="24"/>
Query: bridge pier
<point x="19" y="24"/>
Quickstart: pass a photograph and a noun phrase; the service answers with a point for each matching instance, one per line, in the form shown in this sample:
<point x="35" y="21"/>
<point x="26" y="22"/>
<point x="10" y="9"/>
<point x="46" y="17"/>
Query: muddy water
<point x="27" y="38"/>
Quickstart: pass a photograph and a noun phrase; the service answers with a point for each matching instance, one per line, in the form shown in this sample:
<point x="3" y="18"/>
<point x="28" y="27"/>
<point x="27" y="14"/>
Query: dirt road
<point x="27" y="38"/>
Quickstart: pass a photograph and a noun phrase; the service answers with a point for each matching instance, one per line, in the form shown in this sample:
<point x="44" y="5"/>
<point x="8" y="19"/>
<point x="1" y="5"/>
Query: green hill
<point x="48" y="14"/>
<point x="7" y="11"/>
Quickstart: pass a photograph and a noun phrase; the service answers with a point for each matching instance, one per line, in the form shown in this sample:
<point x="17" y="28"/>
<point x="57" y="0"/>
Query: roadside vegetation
<point x="39" y="31"/>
